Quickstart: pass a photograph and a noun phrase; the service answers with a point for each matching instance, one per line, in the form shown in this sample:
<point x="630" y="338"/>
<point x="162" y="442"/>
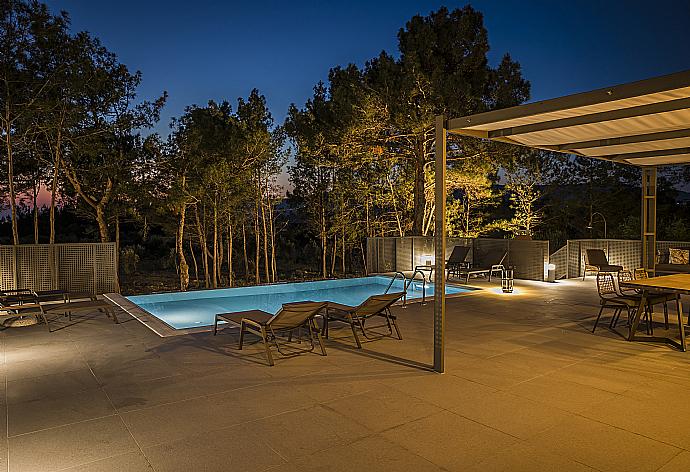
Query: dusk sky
<point x="205" y="50"/>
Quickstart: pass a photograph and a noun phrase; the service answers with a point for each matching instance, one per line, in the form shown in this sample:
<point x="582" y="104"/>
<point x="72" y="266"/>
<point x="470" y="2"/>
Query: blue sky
<point x="205" y="50"/>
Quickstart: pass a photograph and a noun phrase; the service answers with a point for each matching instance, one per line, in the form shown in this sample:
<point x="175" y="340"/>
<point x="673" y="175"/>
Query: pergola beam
<point x="635" y="139"/>
<point x="644" y="154"/>
<point x="609" y="94"/>
<point x="592" y="118"/>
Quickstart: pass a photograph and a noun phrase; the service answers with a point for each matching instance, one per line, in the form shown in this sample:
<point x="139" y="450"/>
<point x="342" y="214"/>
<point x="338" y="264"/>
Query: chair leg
<point x="614" y="318"/>
<point x="598" y="316"/>
<point x="239" y="343"/>
<point x="318" y="337"/>
<point x="45" y="320"/>
<point x="665" y="315"/>
<point x="264" y="336"/>
<point x="354" y="331"/>
<point x="650" y="319"/>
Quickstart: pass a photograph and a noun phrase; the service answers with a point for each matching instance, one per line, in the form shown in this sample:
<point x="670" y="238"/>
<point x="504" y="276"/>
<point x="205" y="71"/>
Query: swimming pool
<point x="182" y="310"/>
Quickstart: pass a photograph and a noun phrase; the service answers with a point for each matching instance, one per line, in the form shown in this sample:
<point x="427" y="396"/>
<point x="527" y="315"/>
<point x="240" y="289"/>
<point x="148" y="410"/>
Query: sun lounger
<point x="457" y="261"/>
<point x="493" y="262"/>
<point x="266" y="325"/>
<point x="34" y="305"/>
<point x="356" y="316"/>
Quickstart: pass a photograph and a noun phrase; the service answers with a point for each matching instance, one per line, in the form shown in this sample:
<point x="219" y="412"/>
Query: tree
<point x="30" y="40"/>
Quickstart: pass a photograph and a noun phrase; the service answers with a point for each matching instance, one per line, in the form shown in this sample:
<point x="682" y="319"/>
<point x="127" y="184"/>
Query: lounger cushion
<point x="257" y="316"/>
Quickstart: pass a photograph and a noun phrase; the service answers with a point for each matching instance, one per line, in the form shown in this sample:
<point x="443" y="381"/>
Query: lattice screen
<point x="483" y="247"/>
<point x="404" y="254"/>
<point x="7" y="272"/>
<point x="528" y="258"/>
<point x="84" y="267"/>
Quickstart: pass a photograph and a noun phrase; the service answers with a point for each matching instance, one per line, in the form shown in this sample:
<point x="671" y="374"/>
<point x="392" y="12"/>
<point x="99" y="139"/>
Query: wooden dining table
<point x="676" y="283"/>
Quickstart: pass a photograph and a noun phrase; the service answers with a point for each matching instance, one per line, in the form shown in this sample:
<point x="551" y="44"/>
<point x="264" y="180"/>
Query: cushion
<point x="679" y="256"/>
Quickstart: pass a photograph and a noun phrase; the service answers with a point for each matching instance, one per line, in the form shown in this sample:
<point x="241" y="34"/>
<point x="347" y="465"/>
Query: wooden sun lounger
<point x="356" y="316"/>
<point x="495" y="264"/>
<point x="291" y="316"/>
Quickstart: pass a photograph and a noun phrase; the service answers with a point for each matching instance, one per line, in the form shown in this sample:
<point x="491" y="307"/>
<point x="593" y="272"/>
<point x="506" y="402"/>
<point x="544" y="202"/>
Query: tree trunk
<point x="214" y="278"/>
<point x="342" y="249"/>
<point x="266" y="259"/>
<point x="102" y="223"/>
<point x="335" y="252"/>
<point x="244" y="253"/>
<point x="182" y="262"/>
<point x="10" y="185"/>
<point x="364" y="258"/>
<point x="54" y="185"/>
<point x="196" y="268"/>
<point x="35" y="189"/>
<point x="257" y="275"/>
<point x="202" y="245"/>
<point x="324" y="242"/>
<point x="221" y="254"/>
<point x="418" y="191"/>
<point x="274" y="270"/>
<point x="229" y="255"/>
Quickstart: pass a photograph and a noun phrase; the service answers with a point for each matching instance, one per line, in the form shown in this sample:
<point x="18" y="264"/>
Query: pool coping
<point x="164" y="330"/>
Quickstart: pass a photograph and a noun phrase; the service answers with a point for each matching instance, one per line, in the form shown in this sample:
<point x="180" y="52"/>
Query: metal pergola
<point x="644" y="123"/>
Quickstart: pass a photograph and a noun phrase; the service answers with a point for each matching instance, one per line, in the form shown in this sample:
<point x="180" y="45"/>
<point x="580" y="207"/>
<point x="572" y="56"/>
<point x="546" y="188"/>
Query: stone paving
<point x="528" y="387"/>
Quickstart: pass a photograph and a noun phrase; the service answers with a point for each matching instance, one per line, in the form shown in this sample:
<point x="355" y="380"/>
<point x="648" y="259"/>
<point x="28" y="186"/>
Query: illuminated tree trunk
<point x="202" y="245"/>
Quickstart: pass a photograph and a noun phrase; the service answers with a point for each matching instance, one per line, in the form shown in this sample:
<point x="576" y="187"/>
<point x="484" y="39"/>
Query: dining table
<point x="678" y="284"/>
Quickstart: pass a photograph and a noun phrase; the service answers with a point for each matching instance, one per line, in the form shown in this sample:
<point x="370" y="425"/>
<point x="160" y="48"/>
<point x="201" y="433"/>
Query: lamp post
<point x="591" y="220"/>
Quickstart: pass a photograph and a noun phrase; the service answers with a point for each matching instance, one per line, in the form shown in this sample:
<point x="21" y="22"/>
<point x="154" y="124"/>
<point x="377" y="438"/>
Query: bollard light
<point x="507" y="280"/>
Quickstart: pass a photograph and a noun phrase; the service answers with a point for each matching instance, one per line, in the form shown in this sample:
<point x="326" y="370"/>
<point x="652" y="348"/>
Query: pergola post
<point x="440" y="244"/>
<point x="649" y="218"/>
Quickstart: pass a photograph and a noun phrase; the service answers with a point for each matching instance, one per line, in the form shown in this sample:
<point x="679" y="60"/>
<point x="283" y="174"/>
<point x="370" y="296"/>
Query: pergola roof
<point x="644" y="123"/>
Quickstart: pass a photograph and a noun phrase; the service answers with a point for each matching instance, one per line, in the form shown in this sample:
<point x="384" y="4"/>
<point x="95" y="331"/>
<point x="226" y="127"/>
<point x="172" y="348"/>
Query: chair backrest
<point x="641" y="273"/>
<point x="596" y="257"/>
<point x="458" y="255"/>
<point x="624" y="276"/>
<point x="377" y="303"/>
<point x="292" y="315"/>
<point x="495" y="257"/>
<point x="606" y="285"/>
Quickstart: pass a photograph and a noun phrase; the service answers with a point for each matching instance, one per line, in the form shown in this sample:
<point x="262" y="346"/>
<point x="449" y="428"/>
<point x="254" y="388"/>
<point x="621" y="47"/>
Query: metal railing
<point x="404" y="280"/>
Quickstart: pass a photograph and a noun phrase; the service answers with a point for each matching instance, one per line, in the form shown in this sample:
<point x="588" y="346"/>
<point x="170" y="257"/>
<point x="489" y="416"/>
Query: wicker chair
<point x="660" y="297"/>
<point x="610" y="298"/>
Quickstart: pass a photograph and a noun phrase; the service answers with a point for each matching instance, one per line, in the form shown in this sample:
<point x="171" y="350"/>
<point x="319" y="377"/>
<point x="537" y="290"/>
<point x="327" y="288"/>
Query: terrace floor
<point x="527" y="388"/>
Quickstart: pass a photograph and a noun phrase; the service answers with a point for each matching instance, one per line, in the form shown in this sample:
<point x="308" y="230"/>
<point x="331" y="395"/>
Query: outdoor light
<point x="551" y="272"/>
<point x="591" y="221"/>
<point x="507" y="280"/>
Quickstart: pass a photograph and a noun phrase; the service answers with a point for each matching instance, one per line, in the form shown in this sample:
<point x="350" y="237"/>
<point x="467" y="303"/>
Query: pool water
<point x="195" y="309"/>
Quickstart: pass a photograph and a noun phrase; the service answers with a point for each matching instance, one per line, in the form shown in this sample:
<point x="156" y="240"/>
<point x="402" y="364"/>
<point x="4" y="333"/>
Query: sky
<point x="200" y="50"/>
